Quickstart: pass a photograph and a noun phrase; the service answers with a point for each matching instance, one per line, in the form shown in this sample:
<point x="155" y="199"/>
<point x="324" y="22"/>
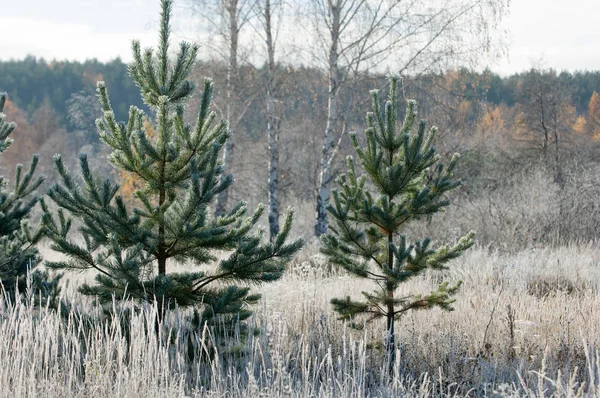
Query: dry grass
<point x="525" y="324"/>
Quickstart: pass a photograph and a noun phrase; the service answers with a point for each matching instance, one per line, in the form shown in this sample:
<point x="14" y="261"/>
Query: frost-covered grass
<point x="524" y="324"/>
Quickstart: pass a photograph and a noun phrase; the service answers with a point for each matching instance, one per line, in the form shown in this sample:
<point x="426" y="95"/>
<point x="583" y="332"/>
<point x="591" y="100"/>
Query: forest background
<point x="529" y="141"/>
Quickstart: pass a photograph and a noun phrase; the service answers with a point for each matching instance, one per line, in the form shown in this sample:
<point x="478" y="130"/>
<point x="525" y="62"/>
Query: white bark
<point x="272" y="127"/>
<point x="325" y="175"/>
<point x="329" y="143"/>
<point x="231" y="7"/>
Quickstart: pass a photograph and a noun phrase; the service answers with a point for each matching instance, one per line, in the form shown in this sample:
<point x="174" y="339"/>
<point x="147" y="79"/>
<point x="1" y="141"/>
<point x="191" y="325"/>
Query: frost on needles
<point x="180" y="170"/>
<point x="18" y="254"/>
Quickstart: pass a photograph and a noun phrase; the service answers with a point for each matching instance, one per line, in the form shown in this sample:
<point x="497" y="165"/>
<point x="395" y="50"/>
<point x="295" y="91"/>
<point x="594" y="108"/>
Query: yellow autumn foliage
<point x="594" y="116"/>
<point x="128" y="181"/>
<point x="492" y="121"/>
<point x="580" y="126"/>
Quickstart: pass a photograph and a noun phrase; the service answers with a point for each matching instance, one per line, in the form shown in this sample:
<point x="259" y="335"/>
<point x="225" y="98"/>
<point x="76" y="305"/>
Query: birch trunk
<point x="232" y="10"/>
<point x="272" y="130"/>
<point x="329" y="141"/>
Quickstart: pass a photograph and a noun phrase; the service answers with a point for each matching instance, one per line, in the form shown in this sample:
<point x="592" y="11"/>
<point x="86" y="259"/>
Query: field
<point x="524" y="197"/>
<point x="525" y="324"/>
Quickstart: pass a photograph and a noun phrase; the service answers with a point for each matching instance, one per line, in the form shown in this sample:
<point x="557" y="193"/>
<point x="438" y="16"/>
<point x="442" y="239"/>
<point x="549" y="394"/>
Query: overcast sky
<point x="559" y="34"/>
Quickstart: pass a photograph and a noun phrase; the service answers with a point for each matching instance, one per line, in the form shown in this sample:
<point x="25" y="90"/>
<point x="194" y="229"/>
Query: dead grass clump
<point x="542" y="286"/>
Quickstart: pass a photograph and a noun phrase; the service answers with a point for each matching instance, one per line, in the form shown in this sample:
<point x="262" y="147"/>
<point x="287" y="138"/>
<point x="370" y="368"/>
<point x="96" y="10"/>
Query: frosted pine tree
<point x="181" y="175"/>
<point x="18" y="254"/>
<point x="403" y="182"/>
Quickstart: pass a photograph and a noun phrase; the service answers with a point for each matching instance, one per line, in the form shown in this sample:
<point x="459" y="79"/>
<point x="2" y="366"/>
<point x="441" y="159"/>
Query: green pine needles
<point x="18" y="254"/>
<point x="403" y="182"/>
<point x="181" y="173"/>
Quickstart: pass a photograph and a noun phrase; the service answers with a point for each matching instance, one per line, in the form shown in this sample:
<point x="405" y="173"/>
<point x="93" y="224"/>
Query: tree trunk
<point x="558" y="176"/>
<point x="161" y="248"/>
<point x="325" y="175"/>
<point x="390" y="341"/>
<point x="390" y="338"/>
<point x="272" y="130"/>
<point x="543" y="119"/>
<point x="232" y="69"/>
<point x="161" y="254"/>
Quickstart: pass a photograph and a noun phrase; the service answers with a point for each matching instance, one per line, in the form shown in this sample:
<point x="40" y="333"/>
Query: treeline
<point x="495" y="122"/>
<point x="497" y="90"/>
<point x="33" y="81"/>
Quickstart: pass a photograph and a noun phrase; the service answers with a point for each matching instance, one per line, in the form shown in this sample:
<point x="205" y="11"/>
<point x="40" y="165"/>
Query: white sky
<point x="555" y="33"/>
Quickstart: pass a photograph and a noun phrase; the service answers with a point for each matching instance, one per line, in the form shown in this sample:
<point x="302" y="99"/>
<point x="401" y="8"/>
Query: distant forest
<point x="501" y="125"/>
<point x="32" y="81"/>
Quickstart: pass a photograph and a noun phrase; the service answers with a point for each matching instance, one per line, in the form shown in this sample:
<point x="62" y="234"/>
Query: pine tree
<point x="18" y="254"/>
<point x="403" y="182"/>
<point x="181" y="175"/>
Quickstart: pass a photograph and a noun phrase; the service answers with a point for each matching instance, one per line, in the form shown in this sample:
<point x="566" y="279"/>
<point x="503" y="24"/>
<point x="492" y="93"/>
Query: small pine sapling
<point x="180" y="174"/>
<point x="403" y="181"/>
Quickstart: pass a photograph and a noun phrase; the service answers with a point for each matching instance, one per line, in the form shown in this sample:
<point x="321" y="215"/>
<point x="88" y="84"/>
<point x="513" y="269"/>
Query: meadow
<point x="525" y="324"/>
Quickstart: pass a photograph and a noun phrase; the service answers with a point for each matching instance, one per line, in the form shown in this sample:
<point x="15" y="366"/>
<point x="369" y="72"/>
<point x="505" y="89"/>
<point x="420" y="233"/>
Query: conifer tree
<point x="181" y="174"/>
<point x="18" y="254"/>
<point x="403" y="182"/>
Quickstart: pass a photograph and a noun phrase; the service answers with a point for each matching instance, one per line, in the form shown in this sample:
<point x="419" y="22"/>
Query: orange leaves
<point x="580" y="126"/>
<point x="594" y="108"/>
<point x="131" y="182"/>
<point x="492" y="129"/>
<point x="594" y="117"/>
<point x="589" y="128"/>
<point x="24" y="145"/>
<point x="492" y="121"/>
<point x="567" y="114"/>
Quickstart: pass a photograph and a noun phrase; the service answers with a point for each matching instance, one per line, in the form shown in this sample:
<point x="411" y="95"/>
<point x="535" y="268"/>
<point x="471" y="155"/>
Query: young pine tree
<point x="403" y="182"/>
<point x="181" y="175"/>
<point x="18" y="254"/>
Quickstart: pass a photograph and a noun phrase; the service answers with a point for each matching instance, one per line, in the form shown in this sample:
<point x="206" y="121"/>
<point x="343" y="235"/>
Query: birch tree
<point x="269" y="13"/>
<point x="227" y="18"/>
<point x="407" y="36"/>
